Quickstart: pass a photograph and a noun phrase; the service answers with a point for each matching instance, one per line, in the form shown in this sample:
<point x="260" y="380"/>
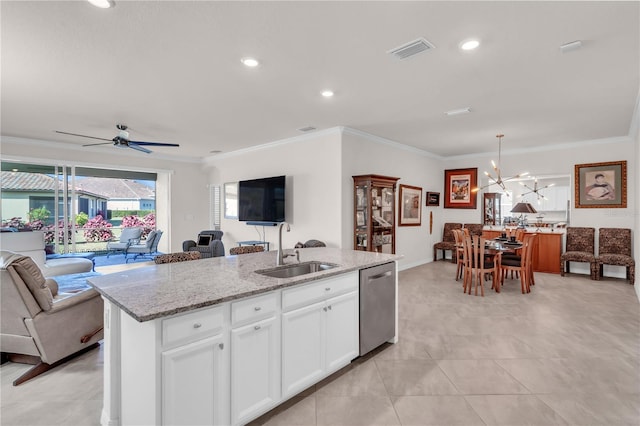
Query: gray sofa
<point x="32" y="244"/>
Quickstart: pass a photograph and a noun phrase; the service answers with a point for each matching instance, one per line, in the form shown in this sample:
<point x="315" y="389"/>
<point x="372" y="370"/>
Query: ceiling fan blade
<point x="82" y="136"/>
<point x="101" y="143"/>
<point x="139" y="148"/>
<point x="153" y="143"/>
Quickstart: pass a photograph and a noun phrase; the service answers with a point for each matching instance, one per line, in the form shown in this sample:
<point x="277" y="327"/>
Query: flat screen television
<point x="262" y="200"/>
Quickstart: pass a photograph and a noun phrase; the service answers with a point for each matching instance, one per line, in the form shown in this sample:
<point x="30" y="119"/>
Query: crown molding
<point x="296" y="139"/>
<point x="97" y="150"/>
<point x="556" y="147"/>
<point x="393" y="144"/>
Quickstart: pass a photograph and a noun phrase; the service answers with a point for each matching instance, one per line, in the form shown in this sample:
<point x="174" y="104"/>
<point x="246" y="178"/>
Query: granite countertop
<point x="161" y="290"/>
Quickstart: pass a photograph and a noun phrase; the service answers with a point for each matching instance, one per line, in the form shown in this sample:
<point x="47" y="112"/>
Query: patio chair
<point x="148" y="249"/>
<point x="129" y="236"/>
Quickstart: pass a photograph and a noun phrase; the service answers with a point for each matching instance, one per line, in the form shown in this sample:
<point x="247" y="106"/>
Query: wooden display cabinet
<point x="374" y="200"/>
<point x="492" y="212"/>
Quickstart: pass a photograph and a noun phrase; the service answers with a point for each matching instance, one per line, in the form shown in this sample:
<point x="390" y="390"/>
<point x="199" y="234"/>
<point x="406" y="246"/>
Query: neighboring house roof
<point x="114" y="189"/>
<point x="36" y="182"/>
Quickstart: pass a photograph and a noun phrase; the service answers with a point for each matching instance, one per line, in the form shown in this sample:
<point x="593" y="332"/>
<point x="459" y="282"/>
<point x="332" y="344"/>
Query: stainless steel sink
<point x="297" y="269"/>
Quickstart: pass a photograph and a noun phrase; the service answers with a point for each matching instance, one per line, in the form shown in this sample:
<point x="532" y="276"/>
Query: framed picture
<point x="601" y="185"/>
<point x="410" y="212"/>
<point x="458" y="184"/>
<point x="360" y="219"/>
<point x="433" y="198"/>
<point x="360" y="200"/>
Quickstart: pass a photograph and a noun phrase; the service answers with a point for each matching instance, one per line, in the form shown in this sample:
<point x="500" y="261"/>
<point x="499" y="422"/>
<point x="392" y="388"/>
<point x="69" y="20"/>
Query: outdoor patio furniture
<point x="129" y="236"/>
<point x="148" y="249"/>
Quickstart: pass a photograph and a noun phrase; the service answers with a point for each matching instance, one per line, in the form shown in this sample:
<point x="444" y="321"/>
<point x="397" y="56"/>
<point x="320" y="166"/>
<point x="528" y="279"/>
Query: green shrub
<point x="82" y="218"/>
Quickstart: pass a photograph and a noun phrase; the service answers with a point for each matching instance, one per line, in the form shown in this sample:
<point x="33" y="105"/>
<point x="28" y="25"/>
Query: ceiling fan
<point x="122" y="140"/>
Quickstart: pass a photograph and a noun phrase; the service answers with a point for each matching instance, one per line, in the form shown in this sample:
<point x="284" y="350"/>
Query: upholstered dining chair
<point x="245" y="249"/>
<point x="183" y="256"/>
<point x="474" y="228"/>
<point x="580" y="247"/>
<point x="522" y="265"/>
<point x="448" y="242"/>
<point x="459" y="236"/>
<point x="614" y="248"/>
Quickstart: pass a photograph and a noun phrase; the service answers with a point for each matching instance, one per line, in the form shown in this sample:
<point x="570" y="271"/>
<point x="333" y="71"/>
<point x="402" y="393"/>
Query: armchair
<point x="148" y="248"/>
<point x="39" y="325"/>
<point x="129" y="236"/>
<point x="212" y="248"/>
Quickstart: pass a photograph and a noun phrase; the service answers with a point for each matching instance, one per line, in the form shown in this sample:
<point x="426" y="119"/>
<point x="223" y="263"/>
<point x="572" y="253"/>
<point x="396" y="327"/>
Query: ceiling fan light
<point x="103" y="4"/>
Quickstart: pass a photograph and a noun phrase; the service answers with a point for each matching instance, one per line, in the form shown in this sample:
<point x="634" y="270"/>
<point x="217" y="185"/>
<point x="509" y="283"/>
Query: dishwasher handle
<point x="378" y="276"/>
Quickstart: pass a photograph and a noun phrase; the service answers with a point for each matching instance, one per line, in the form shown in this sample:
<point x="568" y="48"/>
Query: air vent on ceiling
<point x="410" y="49"/>
<point x="307" y="129"/>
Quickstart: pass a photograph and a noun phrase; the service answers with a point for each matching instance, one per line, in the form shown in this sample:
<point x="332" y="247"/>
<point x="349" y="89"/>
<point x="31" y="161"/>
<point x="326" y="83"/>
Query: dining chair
<point x="467" y="256"/>
<point x="474" y="228"/>
<point x="458" y="236"/>
<point x="447" y="243"/>
<point x="523" y="266"/>
<point x="614" y="248"/>
<point x="580" y="247"/>
<point x="482" y="263"/>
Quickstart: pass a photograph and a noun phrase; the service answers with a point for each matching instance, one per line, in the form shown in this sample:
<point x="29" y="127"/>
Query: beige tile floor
<point x="567" y="353"/>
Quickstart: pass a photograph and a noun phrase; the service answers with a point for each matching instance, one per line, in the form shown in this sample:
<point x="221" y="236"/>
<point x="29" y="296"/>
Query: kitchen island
<point x="214" y="342"/>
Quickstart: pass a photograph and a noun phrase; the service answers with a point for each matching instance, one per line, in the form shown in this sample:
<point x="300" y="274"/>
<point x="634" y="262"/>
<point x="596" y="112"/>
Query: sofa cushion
<point x="35" y="281"/>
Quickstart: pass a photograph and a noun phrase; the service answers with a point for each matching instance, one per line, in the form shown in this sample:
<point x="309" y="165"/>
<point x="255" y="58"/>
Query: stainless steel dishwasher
<point x="377" y="306"/>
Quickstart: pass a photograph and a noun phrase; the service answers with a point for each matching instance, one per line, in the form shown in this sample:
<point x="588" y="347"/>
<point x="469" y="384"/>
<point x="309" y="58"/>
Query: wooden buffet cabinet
<point x="547" y="250"/>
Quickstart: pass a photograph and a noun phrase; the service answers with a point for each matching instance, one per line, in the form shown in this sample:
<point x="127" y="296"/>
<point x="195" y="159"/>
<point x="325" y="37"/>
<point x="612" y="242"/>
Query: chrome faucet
<point x="280" y="257"/>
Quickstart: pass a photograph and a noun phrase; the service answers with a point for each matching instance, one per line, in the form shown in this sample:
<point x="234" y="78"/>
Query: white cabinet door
<point x="342" y="335"/>
<point x="303" y="356"/>
<point x="193" y="384"/>
<point x="255" y="369"/>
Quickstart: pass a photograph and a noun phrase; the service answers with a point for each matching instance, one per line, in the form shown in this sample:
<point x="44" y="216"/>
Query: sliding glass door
<point x="80" y="209"/>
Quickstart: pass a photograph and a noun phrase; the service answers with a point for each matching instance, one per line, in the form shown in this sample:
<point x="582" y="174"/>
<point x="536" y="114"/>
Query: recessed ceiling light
<point x="458" y="111"/>
<point x="327" y="93"/>
<point x="250" y="62"/>
<point x="103" y="4"/>
<point x="568" y="47"/>
<point x="469" y="44"/>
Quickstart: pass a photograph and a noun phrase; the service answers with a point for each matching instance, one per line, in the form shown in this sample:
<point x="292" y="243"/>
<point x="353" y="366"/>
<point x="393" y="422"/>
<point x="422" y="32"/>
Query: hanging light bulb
<point x="498" y="180"/>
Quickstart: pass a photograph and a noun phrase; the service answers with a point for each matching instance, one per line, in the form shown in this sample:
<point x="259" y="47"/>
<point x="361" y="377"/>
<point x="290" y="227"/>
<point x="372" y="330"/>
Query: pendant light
<point x="499" y="180"/>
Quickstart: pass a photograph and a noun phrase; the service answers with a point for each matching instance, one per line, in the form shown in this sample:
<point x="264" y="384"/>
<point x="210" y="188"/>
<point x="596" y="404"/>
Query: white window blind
<point x="216" y="206"/>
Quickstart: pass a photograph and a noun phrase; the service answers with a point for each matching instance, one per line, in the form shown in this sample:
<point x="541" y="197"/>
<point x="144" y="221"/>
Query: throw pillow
<point x="36" y="283"/>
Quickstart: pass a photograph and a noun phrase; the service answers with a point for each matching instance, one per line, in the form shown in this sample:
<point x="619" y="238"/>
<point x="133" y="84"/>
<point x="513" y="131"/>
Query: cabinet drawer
<point x="321" y="290"/>
<point x="192" y="326"/>
<point x="254" y="309"/>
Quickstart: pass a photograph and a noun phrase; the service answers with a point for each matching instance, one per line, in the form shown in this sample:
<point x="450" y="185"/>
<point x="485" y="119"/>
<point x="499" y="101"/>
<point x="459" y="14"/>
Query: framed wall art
<point x="433" y="199"/>
<point x="458" y="184"/>
<point x="410" y="212"/>
<point x="600" y="185"/>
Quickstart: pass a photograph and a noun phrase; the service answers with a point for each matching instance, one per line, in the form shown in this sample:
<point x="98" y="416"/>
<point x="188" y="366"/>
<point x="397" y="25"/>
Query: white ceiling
<point x="172" y="72"/>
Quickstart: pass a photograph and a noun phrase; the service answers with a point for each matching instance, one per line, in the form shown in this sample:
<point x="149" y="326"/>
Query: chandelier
<point x="499" y="180"/>
<point x="536" y="190"/>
